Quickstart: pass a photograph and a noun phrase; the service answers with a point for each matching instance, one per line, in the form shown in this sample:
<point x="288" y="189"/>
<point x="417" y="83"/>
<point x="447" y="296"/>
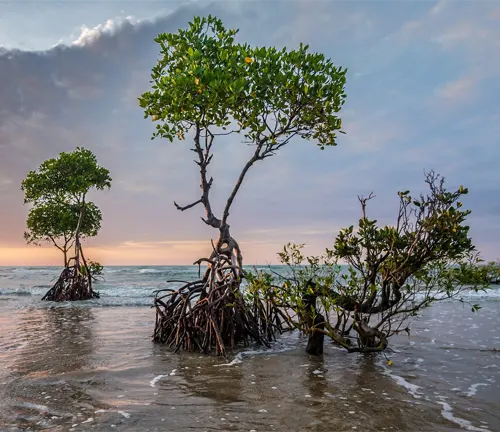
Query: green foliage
<point x="71" y="175"/>
<point x="53" y="220"/>
<point x="95" y="269"/>
<point x="490" y="273"/>
<point x="205" y="78"/>
<point x="259" y="286"/>
<point x="57" y="193"/>
<point x="392" y="272"/>
<point x="429" y="228"/>
<point x="323" y="270"/>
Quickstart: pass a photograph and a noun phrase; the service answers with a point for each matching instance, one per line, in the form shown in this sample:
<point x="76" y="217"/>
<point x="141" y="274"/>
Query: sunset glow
<point x="73" y="79"/>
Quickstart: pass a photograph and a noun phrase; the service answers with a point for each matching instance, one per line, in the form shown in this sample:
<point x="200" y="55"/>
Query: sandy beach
<point x="92" y="366"/>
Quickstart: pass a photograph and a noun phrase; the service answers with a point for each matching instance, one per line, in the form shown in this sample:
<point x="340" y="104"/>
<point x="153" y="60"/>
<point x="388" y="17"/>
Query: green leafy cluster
<point x="491" y="272"/>
<point x="52" y="220"/>
<point x="488" y="273"/>
<point x="57" y="192"/>
<point x="95" y="269"/>
<point x="67" y="177"/>
<point x="429" y="228"/>
<point x="205" y="78"/>
<point x="427" y="251"/>
<point x="392" y="272"/>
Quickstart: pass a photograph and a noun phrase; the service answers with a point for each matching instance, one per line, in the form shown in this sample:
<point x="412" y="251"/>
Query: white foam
<point x="412" y="388"/>
<point x="473" y="389"/>
<point x="239" y="357"/>
<point x="149" y="270"/>
<point x="153" y="382"/>
<point x="447" y="413"/>
<point x="242" y="354"/>
<point x="123" y="413"/>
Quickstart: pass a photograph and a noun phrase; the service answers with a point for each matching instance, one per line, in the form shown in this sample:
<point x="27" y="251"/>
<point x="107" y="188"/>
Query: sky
<point x="422" y="93"/>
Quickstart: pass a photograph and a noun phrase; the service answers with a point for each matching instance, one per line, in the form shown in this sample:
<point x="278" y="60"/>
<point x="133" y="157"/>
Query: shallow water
<point x="92" y="366"/>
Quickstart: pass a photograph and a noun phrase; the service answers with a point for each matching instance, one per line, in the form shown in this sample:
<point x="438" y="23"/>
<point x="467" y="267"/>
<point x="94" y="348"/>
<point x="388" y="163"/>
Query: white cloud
<point x="465" y="32"/>
<point x="89" y="36"/>
<point x="438" y="7"/>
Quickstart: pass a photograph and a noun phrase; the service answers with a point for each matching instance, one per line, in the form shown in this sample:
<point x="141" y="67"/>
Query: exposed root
<point x="73" y="284"/>
<point x="211" y="313"/>
<point x="370" y="339"/>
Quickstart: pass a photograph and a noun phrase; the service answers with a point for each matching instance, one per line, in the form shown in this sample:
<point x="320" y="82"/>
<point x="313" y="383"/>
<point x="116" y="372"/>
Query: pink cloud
<point x="458" y="91"/>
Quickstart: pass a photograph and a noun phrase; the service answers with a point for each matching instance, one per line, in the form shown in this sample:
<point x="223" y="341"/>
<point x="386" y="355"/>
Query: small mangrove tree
<point x="389" y="273"/>
<point x="61" y="215"/>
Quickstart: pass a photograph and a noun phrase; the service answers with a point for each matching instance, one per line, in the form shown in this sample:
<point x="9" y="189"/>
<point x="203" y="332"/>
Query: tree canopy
<point x="205" y="78"/>
<point x="59" y="213"/>
<point x="67" y="178"/>
<point x="56" y="222"/>
<point x="207" y="83"/>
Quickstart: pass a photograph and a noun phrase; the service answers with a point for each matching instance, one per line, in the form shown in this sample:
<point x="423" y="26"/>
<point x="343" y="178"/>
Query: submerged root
<point x="369" y="339"/>
<point x="211" y="314"/>
<point x="72" y="285"/>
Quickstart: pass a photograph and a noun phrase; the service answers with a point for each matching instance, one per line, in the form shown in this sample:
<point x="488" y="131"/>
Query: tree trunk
<point x="314" y="321"/>
<point x="316" y="338"/>
<point x="212" y="313"/>
<point x="73" y="284"/>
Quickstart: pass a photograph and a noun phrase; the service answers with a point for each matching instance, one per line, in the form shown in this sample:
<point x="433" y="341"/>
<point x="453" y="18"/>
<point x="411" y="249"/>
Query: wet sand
<point x="91" y="368"/>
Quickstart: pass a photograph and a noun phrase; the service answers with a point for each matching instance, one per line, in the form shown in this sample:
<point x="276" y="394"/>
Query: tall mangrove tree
<point x="206" y="85"/>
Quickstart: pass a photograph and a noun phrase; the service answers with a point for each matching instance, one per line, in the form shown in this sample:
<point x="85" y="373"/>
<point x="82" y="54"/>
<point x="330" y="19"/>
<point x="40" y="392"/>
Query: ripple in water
<point x="92" y="366"/>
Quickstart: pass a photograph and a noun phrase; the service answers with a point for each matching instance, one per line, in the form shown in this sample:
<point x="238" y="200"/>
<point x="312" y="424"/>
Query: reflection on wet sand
<point x="57" y="340"/>
<point x="203" y="378"/>
<point x="83" y="368"/>
<point x="345" y="393"/>
<point x="41" y="392"/>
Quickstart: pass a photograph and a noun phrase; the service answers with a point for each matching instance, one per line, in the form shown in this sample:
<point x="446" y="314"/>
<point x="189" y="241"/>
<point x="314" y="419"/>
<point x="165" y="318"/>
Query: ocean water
<point x="92" y="366"/>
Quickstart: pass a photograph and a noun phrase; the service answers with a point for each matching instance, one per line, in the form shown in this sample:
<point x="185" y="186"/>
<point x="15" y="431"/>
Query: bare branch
<point x="55" y="244"/>
<point x="204" y="159"/>
<point x="178" y="207"/>
<point x="256" y="156"/>
<point x="363" y="202"/>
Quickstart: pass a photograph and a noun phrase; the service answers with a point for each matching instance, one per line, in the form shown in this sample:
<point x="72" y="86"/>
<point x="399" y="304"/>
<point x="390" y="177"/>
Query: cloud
<point x="421" y="95"/>
<point x="457" y="91"/>
<point x="467" y="32"/>
<point x="470" y="32"/>
<point x="89" y="36"/>
<point x="372" y="134"/>
<point x="438" y="8"/>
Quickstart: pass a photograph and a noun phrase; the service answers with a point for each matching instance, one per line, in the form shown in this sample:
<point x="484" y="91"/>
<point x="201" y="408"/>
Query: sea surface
<point x="91" y="366"/>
